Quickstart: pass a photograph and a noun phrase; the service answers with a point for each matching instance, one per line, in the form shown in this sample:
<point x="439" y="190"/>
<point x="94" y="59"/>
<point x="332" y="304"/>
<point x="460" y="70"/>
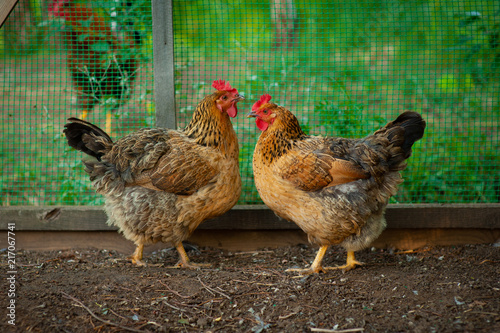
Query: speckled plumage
<point x="160" y="184"/>
<point x="334" y="189"/>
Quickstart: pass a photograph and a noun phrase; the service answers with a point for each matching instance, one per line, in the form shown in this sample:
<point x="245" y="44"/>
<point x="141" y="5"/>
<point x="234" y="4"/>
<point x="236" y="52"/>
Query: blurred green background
<point x="344" y="68"/>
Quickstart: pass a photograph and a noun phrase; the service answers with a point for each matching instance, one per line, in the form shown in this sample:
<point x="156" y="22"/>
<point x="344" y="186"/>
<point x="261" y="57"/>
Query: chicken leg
<point x="136" y="257"/>
<point x="185" y="262"/>
<point x="316" y="266"/>
<point x="109" y="117"/>
<point x="350" y="263"/>
<point x="84" y="115"/>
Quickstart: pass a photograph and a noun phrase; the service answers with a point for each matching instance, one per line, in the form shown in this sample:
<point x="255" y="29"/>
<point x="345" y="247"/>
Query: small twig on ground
<point x="252" y="252"/>
<point x="413" y="251"/>
<point x="288" y="315"/>
<point x="80" y="304"/>
<point x="173" y="291"/>
<point x="257" y="283"/>
<point x="211" y="290"/>
<point x="151" y="323"/>
<point x="487" y="260"/>
<point x="211" y="300"/>
<point x="486" y="313"/>
<point x="173" y="307"/>
<point x="248" y="294"/>
<point x="116" y="314"/>
<point x="313" y="329"/>
<point x="431" y="312"/>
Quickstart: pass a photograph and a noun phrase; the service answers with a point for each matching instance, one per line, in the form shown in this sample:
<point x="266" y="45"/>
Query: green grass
<point x="357" y="65"/>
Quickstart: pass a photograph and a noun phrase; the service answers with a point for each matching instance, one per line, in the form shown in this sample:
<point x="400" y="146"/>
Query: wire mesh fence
<point x="344" y="68"/>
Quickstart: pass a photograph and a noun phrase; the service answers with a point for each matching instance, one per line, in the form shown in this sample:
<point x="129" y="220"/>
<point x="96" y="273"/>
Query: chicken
<point x="102" y="63"/>
<point x="334" y="189"/>
<point x="160" y="184"/>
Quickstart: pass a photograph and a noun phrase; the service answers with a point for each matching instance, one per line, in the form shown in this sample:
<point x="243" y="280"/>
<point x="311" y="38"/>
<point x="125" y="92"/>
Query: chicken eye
<point x="265" y="111"/>
<point x="224" y="97"/>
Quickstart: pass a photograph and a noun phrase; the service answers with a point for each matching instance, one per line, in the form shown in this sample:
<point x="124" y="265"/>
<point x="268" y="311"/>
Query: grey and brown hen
<point x="160" y="184"/>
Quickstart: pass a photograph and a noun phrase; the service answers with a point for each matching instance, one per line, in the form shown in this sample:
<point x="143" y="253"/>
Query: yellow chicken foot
<point x="109" y="117"/>
<point x="185" y="262"/>
<point x="350" y="263"/>
<point x="316" y="265"/>
<point x="136" y="257"/>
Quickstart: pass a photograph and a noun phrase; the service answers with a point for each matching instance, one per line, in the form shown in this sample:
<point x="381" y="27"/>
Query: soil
<point x="439" y="289"/>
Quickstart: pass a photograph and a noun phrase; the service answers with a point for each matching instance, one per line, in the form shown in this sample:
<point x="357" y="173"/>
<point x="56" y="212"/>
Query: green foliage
<point x="356" y="66"/>
<point x="344" y="116"/>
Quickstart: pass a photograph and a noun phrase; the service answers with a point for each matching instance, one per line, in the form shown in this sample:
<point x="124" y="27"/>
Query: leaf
<point x="448" y="84"/>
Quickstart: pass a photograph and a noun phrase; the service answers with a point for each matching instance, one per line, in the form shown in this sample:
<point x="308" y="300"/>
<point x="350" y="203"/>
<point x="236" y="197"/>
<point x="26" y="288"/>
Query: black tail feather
<point x="414" y="126"/>
<point x="82" y="136"/>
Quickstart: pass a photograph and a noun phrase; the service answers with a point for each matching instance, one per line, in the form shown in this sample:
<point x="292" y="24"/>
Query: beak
<point x="238" y="98"/>
<point x="252" y="114"/>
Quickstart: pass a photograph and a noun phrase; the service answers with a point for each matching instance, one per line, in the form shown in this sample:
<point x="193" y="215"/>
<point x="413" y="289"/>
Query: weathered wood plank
<point x="244" y="240"/>
<point x="258" y="217"/>
<point x="163" y="63"/>
<point x="444" y="216"/>
<point x="6" y="7"/>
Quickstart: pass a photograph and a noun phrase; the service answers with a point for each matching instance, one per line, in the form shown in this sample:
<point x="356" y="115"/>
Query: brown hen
<point x="334" y="189"/>
<point x="160" y="184"/>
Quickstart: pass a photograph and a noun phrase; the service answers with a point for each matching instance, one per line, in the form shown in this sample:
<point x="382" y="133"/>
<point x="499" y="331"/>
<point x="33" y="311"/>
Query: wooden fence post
<point x="6" y="7"/>
<point x="163" y="63"/>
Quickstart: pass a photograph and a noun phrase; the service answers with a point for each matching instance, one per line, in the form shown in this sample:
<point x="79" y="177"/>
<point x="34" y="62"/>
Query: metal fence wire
<point x="345" y="68"/>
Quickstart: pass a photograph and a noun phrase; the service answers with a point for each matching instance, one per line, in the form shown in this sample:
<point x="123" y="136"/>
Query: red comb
<point x="263" y="99"/>
<point x="55" y="5"/>
<point x="222" y="85"/>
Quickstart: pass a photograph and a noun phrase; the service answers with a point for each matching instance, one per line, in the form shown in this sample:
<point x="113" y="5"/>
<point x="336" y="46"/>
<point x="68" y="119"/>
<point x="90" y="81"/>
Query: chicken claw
<point x="351" y="263"/>
<point x="316" y="266"/>
<point x="136" y="257"/>
<point x="185" y="262"/>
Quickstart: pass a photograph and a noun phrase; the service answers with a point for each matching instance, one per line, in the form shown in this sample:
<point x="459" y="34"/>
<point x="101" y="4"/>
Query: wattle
<point x="261" y="124"/>
<point x="232" y="111"/>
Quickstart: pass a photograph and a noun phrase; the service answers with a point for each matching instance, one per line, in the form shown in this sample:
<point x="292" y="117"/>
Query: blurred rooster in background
<point x="101" y="59"/>
<point x="334" y="189"/>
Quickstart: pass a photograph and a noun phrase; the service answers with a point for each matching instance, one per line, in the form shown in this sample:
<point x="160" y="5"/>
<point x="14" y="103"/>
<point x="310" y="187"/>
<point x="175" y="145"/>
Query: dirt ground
<point x="440" y="289"/>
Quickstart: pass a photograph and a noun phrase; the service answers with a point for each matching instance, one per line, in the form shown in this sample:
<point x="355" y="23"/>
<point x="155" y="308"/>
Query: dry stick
<point x="116" y="314"/>
<point x="337" y="331"/>
<point x="213" y="290"/>
<point x="173" y="307"/>
<point x="257" y="283"/>
<point x="288" y="315"/>
<point x="431" y="312"/>
<point x="173" y="291"/>
<point x="252" y="252"/>
<point x="98" y="318"/>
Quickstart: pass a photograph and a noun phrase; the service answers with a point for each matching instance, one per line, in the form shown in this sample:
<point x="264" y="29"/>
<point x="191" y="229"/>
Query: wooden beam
<point x="255" y="217"/>
<point x="243" y="240"/>
<point x="444" y="216"/>
<point x="163" y="63"/>
<point x="6" y="7"/>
